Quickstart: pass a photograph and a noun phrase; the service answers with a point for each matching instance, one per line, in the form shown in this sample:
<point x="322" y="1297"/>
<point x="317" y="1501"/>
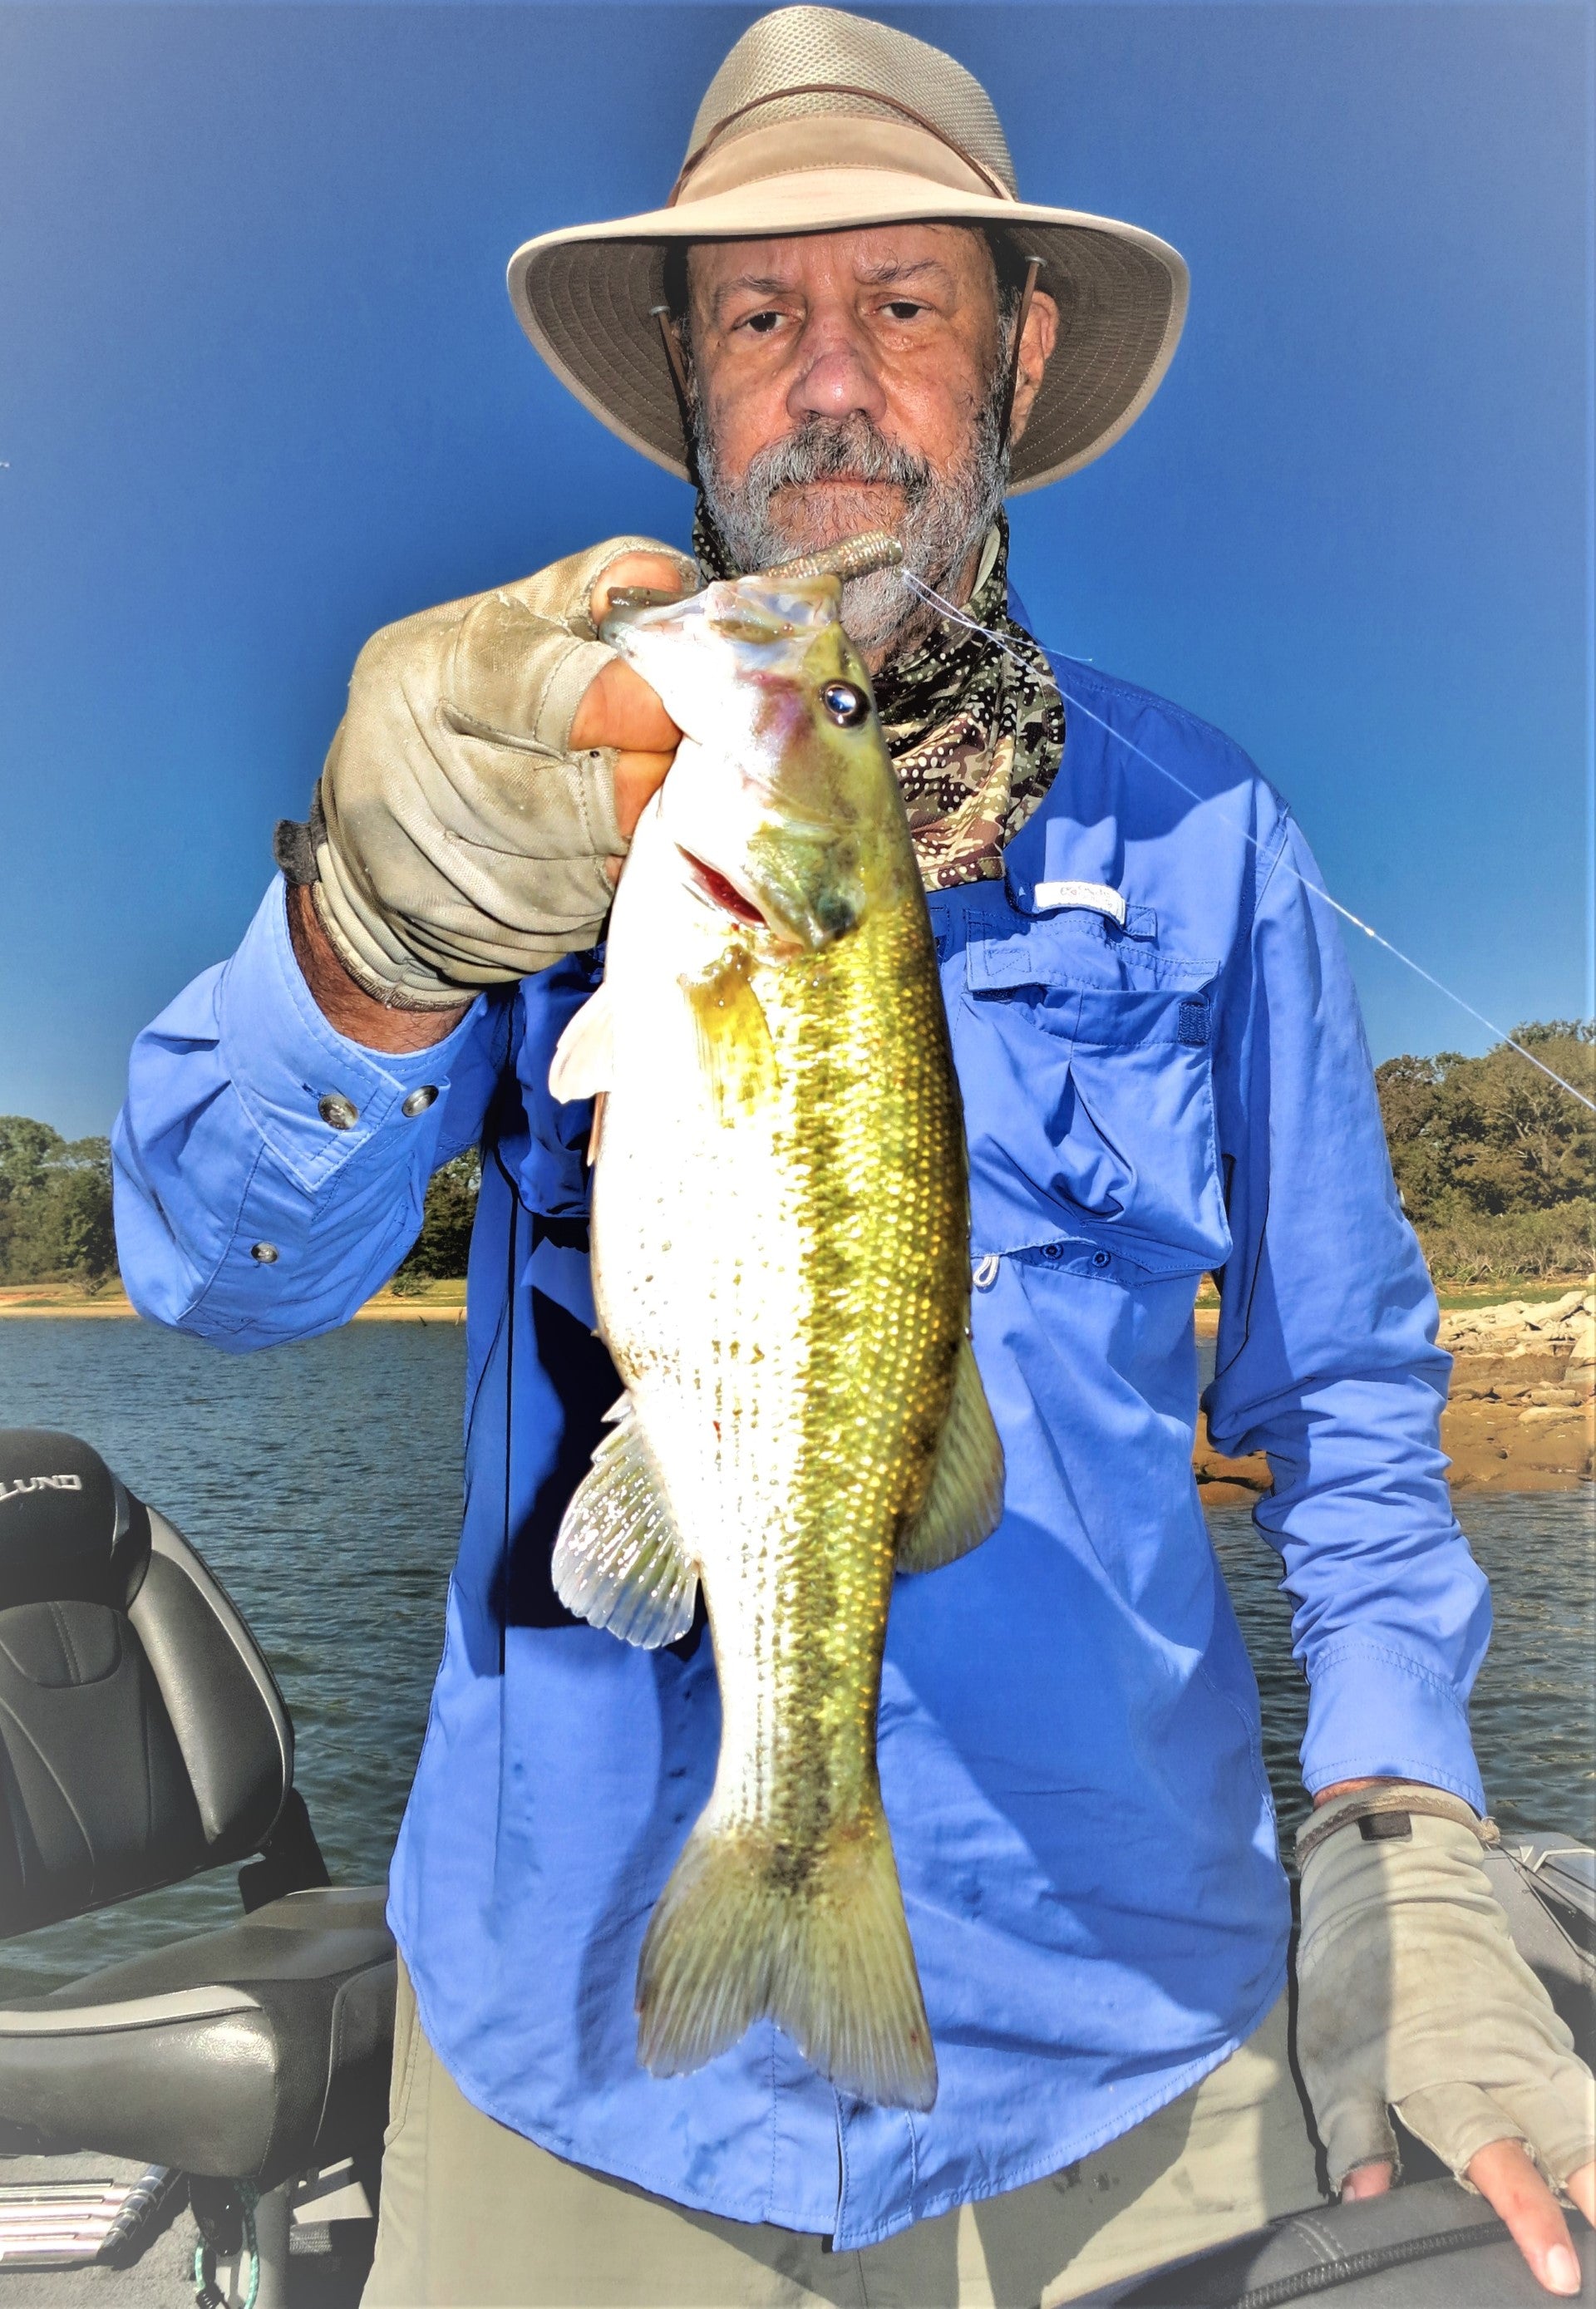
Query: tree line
<point x="56" y="1211"/>
<point x="1495" y="1164"/>
<point x="55" y="1206"/>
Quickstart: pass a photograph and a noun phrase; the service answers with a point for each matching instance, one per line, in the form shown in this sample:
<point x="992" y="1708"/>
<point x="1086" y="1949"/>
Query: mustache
<point x="835" y="449"/>
<point x="945" y="512"/>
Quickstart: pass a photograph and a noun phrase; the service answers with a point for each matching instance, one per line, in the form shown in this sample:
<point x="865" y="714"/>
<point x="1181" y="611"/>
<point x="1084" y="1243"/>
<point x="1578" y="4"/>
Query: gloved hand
<point x="456" y="840"/>
<point x="1413" y="1996"/>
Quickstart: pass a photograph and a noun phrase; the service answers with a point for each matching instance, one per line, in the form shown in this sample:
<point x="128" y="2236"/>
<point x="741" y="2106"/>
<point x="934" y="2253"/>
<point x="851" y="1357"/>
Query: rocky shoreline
<point x="1521" y="1415"/>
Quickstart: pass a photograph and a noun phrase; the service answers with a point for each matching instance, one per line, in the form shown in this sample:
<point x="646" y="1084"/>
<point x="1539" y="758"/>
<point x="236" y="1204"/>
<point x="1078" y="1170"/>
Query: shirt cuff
<point x="315" y="1097"/>
<point x="1376" y="1713"/>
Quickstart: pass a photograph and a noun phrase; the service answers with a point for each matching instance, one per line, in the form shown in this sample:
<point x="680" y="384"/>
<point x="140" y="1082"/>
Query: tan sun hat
<point x="819" y="122"/>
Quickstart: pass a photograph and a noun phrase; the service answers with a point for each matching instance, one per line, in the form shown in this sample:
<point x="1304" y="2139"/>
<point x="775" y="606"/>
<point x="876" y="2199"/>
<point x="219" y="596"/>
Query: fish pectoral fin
<point x="617" y="1561"/>
<point x="736" y="1050"/>
<point x="585" y="1055"/>
<point x="964" y="1499"/>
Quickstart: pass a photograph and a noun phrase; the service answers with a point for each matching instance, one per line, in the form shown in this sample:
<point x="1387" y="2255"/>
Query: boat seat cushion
<point x="142" y="1736"/>
<point x="244" y="2054"/>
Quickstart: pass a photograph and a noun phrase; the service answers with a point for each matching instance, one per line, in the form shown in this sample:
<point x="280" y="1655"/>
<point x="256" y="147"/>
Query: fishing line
<point x="972" y="625"/>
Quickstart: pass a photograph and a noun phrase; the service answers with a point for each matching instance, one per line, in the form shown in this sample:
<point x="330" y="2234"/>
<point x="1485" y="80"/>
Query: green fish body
<point x="781" y="1266"/>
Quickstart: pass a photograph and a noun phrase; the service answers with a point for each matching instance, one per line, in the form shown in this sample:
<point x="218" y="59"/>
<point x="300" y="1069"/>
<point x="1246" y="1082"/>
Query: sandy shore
<point x="1522" y="1415"/>
<point x="440" y="1302"/>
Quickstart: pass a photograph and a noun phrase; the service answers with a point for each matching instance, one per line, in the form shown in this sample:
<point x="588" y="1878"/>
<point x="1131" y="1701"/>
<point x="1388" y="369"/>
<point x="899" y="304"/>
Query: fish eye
<point x="846" y="705"/>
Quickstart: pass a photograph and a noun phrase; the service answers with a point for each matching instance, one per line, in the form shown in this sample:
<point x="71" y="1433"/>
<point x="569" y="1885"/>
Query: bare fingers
<point x="619" y="708"/>
<point x="1511" y="2185"/>
<point x="1372" y="2180"/>
<point x="654" y="569"/>
<point x="638" y="776"/>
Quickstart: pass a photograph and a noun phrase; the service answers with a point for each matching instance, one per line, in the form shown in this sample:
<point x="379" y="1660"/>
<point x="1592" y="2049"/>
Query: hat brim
<point x="588" y="298"/>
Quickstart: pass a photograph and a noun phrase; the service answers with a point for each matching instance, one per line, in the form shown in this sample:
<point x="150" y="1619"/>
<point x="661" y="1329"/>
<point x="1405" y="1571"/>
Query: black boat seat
<point x="142" y="1738"/>
<point x="247" y="2053"/>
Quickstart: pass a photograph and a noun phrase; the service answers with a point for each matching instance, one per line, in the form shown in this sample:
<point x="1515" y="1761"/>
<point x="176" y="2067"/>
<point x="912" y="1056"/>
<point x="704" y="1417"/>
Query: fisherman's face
<point x="850" y="381"/>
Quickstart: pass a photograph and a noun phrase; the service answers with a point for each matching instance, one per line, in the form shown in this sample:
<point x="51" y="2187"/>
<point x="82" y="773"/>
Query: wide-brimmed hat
<point x="823" y="122"/>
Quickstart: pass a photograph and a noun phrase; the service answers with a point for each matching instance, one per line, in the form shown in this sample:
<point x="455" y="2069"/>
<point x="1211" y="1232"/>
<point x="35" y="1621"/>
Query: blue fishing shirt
<point x="1070" y="1749"/>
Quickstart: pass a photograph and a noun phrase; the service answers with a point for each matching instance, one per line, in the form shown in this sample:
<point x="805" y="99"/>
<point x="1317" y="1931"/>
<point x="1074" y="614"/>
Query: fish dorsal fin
<point x="964" y="1498"/>
<point x="618" y="1561"/>
<point x="585" y="1055"/>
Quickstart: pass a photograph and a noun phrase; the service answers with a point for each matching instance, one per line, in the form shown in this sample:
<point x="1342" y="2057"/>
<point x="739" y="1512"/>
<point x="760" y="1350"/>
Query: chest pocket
<point x="1089" y="1100"/>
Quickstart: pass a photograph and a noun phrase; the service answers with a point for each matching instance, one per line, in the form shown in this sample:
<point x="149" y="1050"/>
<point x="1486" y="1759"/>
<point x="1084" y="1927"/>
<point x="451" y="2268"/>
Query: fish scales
<point x="818" y="1211"/>
<point x="813" y="1656"/>
<point x="780" y="1235"/>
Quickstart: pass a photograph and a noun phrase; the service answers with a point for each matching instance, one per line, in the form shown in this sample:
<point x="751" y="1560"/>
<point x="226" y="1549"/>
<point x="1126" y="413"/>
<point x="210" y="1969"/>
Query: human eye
<point x="904" y="308"/>
<point x="763" y="322"/>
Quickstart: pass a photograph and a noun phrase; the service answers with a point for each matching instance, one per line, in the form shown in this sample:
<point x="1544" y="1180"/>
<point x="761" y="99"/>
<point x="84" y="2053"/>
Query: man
<point x="844" y="319"/>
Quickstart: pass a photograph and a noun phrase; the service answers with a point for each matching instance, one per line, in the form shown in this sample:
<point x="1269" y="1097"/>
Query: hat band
<point x="830" y="140"/>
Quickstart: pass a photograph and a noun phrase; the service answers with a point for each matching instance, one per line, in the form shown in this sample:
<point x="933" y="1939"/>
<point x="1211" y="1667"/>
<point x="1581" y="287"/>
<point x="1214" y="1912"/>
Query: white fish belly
<point x="704" y="1278"/>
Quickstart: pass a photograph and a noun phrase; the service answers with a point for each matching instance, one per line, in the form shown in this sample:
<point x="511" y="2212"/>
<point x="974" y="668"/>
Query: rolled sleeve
<point x="1327" y="1359"/>
<point x="270" y="1174"/>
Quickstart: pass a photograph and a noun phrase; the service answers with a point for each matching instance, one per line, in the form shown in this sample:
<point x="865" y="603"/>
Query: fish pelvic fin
<point x="740" y="1934"/>
<point x="584" y="1062"/>
<point x="964" y="1500"/>
<point x="618" y="1559"/>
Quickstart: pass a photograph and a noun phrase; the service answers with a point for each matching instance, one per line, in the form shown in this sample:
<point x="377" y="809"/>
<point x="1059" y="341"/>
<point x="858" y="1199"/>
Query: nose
<point x="835" y="375"/>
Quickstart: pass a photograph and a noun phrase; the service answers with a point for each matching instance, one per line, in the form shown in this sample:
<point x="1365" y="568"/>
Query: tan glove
<point x="456" y="841"/>
<point x="1413" y="1996"/>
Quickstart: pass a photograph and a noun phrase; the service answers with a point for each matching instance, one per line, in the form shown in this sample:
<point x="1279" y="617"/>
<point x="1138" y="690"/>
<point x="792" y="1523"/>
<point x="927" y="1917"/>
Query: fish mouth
<point x="811" y="921"/>
<point x="724" y="895"/>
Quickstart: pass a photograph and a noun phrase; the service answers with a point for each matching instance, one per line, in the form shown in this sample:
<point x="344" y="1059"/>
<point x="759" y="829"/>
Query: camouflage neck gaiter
<point x="974" y="734"/>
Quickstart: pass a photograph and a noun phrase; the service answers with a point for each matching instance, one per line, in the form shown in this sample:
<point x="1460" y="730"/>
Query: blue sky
<point x="262" y="392"/>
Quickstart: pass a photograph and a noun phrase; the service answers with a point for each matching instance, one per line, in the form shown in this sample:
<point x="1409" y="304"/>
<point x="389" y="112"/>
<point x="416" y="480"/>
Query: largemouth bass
<point x="781" y="1267"/>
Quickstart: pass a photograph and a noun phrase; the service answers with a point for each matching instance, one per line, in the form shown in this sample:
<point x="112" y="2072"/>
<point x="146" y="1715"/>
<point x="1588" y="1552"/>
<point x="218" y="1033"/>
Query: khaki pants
<point x="474" y="2214"/>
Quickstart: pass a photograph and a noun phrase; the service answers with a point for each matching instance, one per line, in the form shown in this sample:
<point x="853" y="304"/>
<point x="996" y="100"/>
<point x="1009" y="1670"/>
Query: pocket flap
<point x="1089" y="1100"/>
<point x="1074" y="951"/>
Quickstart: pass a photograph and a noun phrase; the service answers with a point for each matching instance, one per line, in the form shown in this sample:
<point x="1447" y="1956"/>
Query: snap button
<point x="419" y="1099"/>
<point x="337" y="1112"/>
<point x="265" y="1252"/>
<point x="1100" y="1259"/>
<point x="1052" y="1250"/>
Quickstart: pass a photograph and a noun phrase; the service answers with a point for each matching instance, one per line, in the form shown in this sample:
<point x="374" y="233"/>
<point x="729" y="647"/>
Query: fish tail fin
<point x="739" y="1934"/>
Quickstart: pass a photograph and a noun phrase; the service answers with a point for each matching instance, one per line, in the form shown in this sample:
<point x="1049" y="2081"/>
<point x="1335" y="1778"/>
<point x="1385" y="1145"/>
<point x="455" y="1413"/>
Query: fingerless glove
<point x="1412" y="1995"/>
<point x="454" y="841"/>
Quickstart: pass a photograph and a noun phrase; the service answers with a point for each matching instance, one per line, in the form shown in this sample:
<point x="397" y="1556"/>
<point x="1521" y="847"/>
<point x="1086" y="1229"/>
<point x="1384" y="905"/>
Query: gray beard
<point x="945" y="516"/>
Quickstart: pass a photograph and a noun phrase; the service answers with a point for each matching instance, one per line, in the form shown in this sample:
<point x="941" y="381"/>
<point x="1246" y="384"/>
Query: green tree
<point x="439" y="1251"/>
<point x="55" y="1206"/>
<point x="1496" y="1161"/>
<point x="25" y="1147"/>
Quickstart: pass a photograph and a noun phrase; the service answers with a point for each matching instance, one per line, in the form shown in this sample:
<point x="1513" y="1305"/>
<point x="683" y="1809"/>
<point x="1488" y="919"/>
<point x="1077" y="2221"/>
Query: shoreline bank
<point x="439" y="1303"/>
<point x="1521" y="1415"/>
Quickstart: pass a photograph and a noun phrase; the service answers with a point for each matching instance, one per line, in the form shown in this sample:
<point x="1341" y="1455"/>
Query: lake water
<point x="322" y="1482"/>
